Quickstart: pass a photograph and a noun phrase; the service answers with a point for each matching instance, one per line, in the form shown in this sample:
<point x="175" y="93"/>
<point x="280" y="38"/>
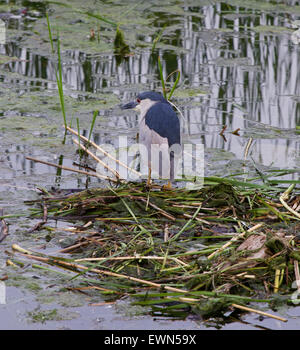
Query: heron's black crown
<point x="153" y="96"/>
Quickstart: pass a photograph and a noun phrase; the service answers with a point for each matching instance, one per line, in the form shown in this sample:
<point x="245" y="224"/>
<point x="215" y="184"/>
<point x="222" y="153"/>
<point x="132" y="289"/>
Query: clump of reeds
<point x="180" y="252"/>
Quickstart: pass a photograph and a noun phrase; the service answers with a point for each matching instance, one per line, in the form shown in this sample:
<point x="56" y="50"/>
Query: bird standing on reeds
<point x="159" y="136"/>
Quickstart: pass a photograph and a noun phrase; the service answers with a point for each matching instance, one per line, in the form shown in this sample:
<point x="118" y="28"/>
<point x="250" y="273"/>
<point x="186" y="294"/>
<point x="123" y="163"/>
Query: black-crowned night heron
<point x="159" y="135"/>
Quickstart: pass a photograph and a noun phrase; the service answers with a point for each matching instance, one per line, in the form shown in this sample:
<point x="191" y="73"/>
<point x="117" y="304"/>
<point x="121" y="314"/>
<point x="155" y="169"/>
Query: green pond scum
<point x="42" y="316"/>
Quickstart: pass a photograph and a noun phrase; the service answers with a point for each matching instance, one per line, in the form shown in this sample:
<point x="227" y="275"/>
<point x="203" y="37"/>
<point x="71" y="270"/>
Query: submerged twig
<point x="245" y="308"/>
<point x="72" y="169"/>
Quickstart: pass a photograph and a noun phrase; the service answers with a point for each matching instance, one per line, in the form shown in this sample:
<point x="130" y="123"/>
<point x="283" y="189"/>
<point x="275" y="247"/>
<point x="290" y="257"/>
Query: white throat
<point x="144" y="106"/>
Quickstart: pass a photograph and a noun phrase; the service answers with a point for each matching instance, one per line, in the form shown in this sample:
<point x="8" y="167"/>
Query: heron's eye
<point x="138" y="100"/>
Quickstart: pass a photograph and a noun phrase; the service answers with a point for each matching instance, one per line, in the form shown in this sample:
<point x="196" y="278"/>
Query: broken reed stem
<point x="222" y="131"/>
<point x="77" y="245"/>
<point x="166" y="233"/>
<point x="72" y="169"/>
<point x="276" y="283"/>
<point x="120" y="258"/>
<point x="3" y="227"/>
<point x="233" y="239"/>
<point x="284" y="196"/>
<point x="245" y="308"/>
<point x="249" y="143"/>
<point x="297" y="274"/>
<point x="97" y="159"/>
<point x="82" y="244"/>
<point x="163" y="212"/>
<point x="278" y="279"/>
<point x="74" y="132"/>
<point x="54" y="261"/>
<point x="196" y="218"/>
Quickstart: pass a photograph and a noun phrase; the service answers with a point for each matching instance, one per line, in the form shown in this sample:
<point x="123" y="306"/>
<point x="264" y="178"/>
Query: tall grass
<point x="92" y="125"/>
<point x="58" y="73"/>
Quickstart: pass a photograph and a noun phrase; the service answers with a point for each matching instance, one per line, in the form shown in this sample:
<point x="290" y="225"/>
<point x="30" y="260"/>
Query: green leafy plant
<point x="163" y="81"/>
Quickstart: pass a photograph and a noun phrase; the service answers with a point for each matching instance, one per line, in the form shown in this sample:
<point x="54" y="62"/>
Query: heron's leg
<point x="169" y="185"/>
<point x="149" y="176"/>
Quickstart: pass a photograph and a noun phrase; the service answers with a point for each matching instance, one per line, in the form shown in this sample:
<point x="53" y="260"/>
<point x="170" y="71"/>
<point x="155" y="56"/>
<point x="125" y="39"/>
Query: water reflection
<point x="251" y="76"/>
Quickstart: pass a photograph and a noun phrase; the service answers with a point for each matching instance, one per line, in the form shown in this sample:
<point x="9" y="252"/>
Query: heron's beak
<point x="130" y="105"/>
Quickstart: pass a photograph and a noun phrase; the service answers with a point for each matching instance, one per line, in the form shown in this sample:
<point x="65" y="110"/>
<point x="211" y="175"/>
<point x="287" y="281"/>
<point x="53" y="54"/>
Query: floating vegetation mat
<point x="230" y="245"/>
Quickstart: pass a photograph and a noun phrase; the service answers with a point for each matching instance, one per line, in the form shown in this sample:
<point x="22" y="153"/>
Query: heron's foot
<point x="168" y="186"/>
<point x="148" y="183"/>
